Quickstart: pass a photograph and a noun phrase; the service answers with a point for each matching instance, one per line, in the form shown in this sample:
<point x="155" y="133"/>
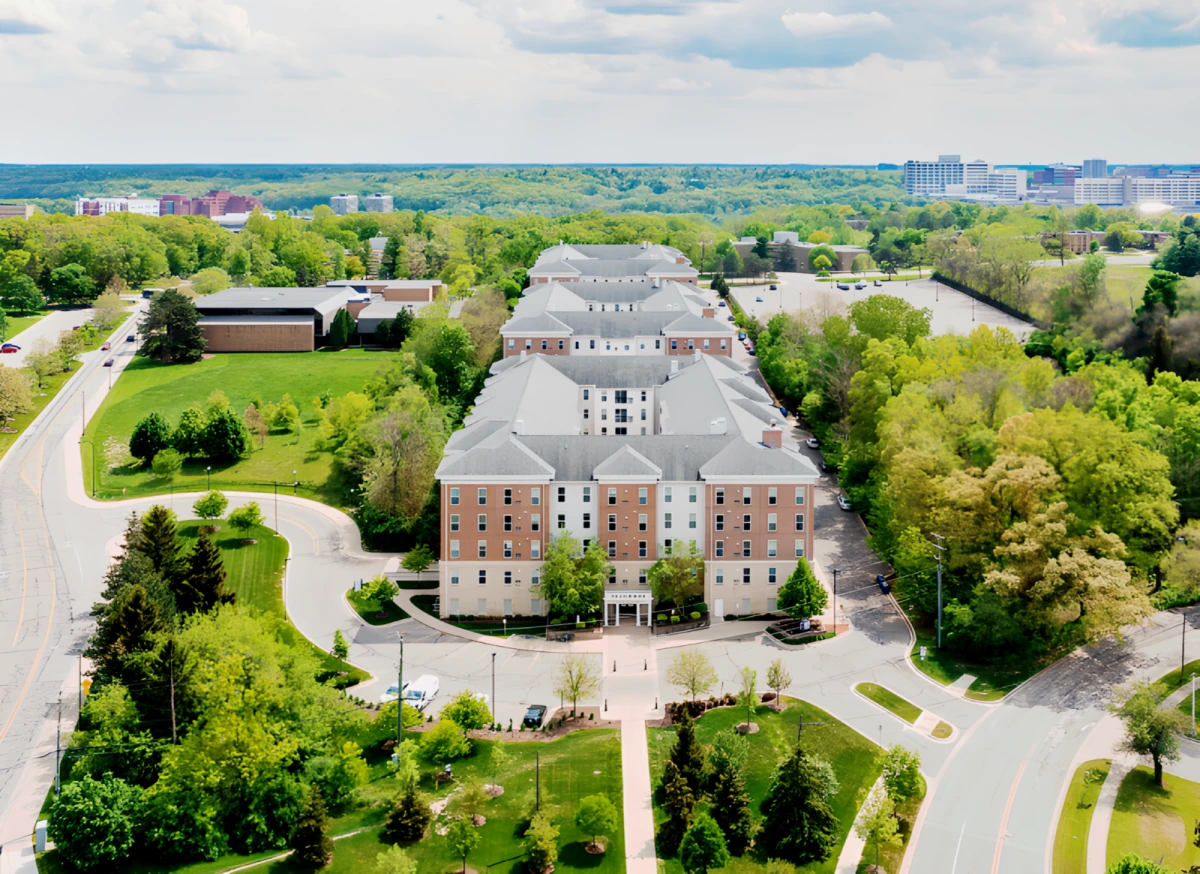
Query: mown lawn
<point x="17" y="324"/>
<point x="146" y="386"/>
<point x="854" y="759"/>
<point x="1071" y="839"/>
<point x="583" y="763"/>
<point x="384" y="614"/>
<point x="889" y="701"/>
<point x="992" y="682"/>
<point x="1155" y="823"/>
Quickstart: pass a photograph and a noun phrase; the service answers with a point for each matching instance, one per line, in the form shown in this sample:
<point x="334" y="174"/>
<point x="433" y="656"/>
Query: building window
<point x="691" y="494"/>
<point x="720" y="521"/>
<point x="642" y="580"/>
<point x="745" y="549"/>
<point x="642" y="522"/>
<point x="535" y="496"/>
<point x="691" y="520"/>
<point x="746" y="496"/>
<point x="658" y="344"/>
<point x="745" y="576"/>
<point x="799" y="521"/>
<point x="641" y="549"/>
<point x="667" y="495"/>
<point x="453" y="521"/>
<point x="454" y="496"/>
<point x="537" y="581"/>
<point x="586" y="412"/>
<point x="772" y="496"/>
<point x="719" y="548"/>
<point x="544" y="345"/>
<point x="508" y="549"/>
<point x="508" y="523"/>
<point x="771" y="522"/>
<point x="772" y="548"/>
<point x="562" y="521"/>
<point x="667" y="544"/>
<point x="771" y="575"/>
<point x="720" y="499"/>
<point x="643" y="412"/>
<point x="587" y="520"/>
<point x="720" y="576"/>
<point x="799" y="549"/>
<point x="745" y="521"/>
<point x="591" y="344"/>
<point x="482" y="544"/>
<point x="562" y="494"/>
<point x="481" y="498"/>
<point x="612" y="578"/>
<point x="612" y="521"/>
<point x="643" y="397"/>
<point x="454" y="579"/>
<point x="643" y="497"/>
<point x="586" y="392"/>
<point x="482" y="577"/>
<point x="799" y="497"/>
<point x="482" y="524"/>
<point x="528" y="344"/>
<point x="561" y="345"/>
<point x="512" y="343"/>
<point x="674" y="344"/>
<point x="723" y="344"/>
<point x="535" y="522"/>
<point x="586" y="544"/>
<point x="612" y="496"/>
<point x="666" y="520"/>
<point x="612" y="549"/>
<point x="454" y="549"/>
<point x="508" y="578"/>
<point x="604" y="415"/>
<point x="587" y="494"/>
<point x="535" y="549"/>
<point x="691" y="345"/>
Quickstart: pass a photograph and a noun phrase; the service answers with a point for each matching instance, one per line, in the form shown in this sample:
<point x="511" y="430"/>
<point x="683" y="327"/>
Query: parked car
<point x="110" y="362"/>
<point x="106" y="347"/>
<point x="9" y="348"/>
<point x="750" y="349"/>
<point x="812" y="443"/>
<point x="844" y="503"/>
<point x="729" y="318"/>
<point x="720" y="303"/>
<point x="878" y="284"/>
<point x="860" y="285"/>
<point x="758" y="300"/>
<point x="774" y="287"/>
<point x="826" y="467"/>
<point x="884" y="585"/>
<point x="392" y="693"/>
<point x="565" y="637"/>
<point x="843" y="287"/>
<point x="130" y="338"/>
<point x="534" y="716"/>
<point x="421" y="691"/>
<point x="741" y="335"/>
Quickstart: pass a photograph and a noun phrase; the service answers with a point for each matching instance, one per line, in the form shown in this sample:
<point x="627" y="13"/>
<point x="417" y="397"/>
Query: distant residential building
<point x="343" y="204"/>
<point x="951" y="177"/>
<point x="1178" y="189"/>
<point x="16" y="210"/>
<point x="592" y="263"/>
<point x="377" y="203"/>
<point x="104" y="205"/>
<point x="1095" y="168"/>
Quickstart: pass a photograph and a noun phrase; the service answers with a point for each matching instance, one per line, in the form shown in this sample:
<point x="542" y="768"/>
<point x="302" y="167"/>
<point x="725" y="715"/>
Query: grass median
<point x="1075" y="820"/>
<point x="889" y="701"/>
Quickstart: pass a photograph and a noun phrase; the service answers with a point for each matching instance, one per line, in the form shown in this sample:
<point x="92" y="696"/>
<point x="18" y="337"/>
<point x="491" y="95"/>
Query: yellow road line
<point x="35" y="488"/>
<point x="1012" y="796"/>
<point x="24" y="572"/>
<point x="310" y="533"/>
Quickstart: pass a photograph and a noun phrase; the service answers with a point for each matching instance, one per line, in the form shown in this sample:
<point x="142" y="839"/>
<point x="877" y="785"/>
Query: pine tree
<point x="798" y="823"/>
<point x="688" y="755"/>
<point x="703" y="847"/>
<point x="157" y="539"/>
<point x="731" y="809"/>
<point x="311" y="847"/>
<point x="204" y="587"/>
<point x="409" y="817"/>
<point x="680" y="806"/>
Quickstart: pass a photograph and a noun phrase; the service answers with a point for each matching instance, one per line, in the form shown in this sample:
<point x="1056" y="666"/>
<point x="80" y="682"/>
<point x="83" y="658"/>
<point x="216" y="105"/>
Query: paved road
<point x="47" y="328"/>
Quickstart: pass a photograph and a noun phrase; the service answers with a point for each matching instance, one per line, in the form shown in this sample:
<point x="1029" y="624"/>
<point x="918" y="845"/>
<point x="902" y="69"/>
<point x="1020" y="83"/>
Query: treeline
<point x="1054" y="488"/>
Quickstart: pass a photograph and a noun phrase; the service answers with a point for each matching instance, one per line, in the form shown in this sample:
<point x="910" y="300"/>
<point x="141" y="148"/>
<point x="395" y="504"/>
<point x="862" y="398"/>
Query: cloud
<point x="29" y="17"/>
<point x="804" y="24"/>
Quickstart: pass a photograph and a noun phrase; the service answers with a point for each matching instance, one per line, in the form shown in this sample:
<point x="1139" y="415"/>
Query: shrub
<point x="445" y="742"/>
<point x="150" y="436"/>
<point x="700" y="607"/>
<point x="94" y="822"/>
<point x="693" y="616"/>
<point x="167" y="462"/>
<point x="674" y="619"/>
<point x="661" y="617"/>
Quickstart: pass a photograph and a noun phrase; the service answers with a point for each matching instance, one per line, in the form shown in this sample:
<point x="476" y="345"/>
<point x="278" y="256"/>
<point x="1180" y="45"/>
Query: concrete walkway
<point x="640" y="855"/>
<point x="1097" y="848"/>
<point x="852" y="850"/>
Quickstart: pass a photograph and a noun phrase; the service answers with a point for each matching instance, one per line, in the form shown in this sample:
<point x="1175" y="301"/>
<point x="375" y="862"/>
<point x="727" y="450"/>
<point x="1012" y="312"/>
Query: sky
<point x="598" y="81"/>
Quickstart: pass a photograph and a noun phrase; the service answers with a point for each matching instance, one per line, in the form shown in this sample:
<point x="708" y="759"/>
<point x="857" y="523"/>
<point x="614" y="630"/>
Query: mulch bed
<point x="579" y="723"/>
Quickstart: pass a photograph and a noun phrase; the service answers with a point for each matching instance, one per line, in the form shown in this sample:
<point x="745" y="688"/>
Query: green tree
<point x="226" y="437"/>
<point x="445" y="742"/>
<point x="596" y="816"/>
<point x="468" y="711"/>
<point x="778" y="679"/>
<point x="341" y="649"/>
<point x="692" y="672"/>
<point x="825" y="252"/>
<point x="246" y="517"/>
<point x="577" y="677"/>
<point x="881" y="316"/>
<point x="785" y="259"/>
<point x="311" y="846"/>
<point x="688" y="755"/>
<point x="703" y="847"/>
<point x="541" y="844"/>
<point x="210" y="280"/>
<point x="378" y="592"/>
<point x="877" y="823"/>
<point x="157" y="538"/>
<point x="730" y="807"/>
<point x="21" y="295"/>
<point x="211" y="506"/>
<point x="471" y="799"/>
<point x="107" y="311"/>
<point x="679" y="805"/>
<point x="901" y="773"/>
<point x="150" y="436"/>
<point x="1149" y="731"/>
<point x="70" y="284"/>
<point x="171" y="330"/>
<point x="341" y="328"/>
<point x="394" y="860"/>
<point x="417" y="560"/>
<point x="802" y="595"/>
<point x="16" y="395"/>
<point x="188" y="436"/>
<point x="204" y="587"/>
<point x="1131" y="864"/>
<point x="560" y="583"/>
<point x="409" y="815"/>
<point x="167" y="463"/>
<point x="339" y="774"/>
<point x="679" y="575"/>
<point x="1161" y="288"/>
<point x="798" y="823"/>
<point x="462" y="838"/>
<point x="95" y="823"/>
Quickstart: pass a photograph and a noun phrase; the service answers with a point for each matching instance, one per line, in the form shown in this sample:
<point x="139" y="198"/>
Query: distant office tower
<point x="105" y="205"/>
<point x="950" y="176"/>
<point x="377" y="203"/>
<point x="343" y="204"/>
<point x="214" y="204"/>
<point x="1056" y="174"/>
<point x="16" y="210"/>
<point x="1095" y="168"/>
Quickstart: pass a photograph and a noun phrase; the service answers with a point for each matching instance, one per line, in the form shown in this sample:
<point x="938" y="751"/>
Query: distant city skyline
<point x="595" y="81"/>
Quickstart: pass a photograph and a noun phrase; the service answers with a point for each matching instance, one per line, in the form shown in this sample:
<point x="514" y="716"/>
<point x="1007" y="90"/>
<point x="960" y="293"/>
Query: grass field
<point x="1153" y="822"/>
<point x="17" y="324"/>
<point x="854" y="760"/>
<point x="890" y="858"/>
<point x="1071" y="839"/>
<point x="255" y="573"/>
<point x="890" y="701"/>
<point x="368" y="613"/>
<point x="582" y="763"/>
<point x="991" y="682"/>
<point x="1125" y="281"/>
<point x="147" y="386"/>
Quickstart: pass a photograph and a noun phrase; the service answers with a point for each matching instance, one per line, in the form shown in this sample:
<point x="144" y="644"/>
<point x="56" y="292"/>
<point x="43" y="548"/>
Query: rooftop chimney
<point x="519" y="426"/>
<point x="522" y="354"/>
<point x="674" y="366"/>
<point x="708" y="312"/>
<point x="698" y="354"/>
<point x="772" y="437"/>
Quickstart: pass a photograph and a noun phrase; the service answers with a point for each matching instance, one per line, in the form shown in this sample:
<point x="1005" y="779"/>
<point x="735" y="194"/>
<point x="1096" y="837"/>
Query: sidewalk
<point x="1097" y="847"/>
<point x="852" y="850"/>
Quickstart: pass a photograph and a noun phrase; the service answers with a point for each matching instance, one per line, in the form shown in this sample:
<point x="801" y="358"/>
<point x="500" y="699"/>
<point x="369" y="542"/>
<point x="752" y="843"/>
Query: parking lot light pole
<point x="208" y="473"/>
<point x="835" y="573"/>
<point x="494" y="688"/>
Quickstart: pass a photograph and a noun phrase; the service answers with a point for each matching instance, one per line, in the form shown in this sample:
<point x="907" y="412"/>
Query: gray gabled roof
<point x="743" y="458"/>
<point x="626" y="461"/>
<point x="689" y="323"/>
<point x="543" y="323"/>
<point x="575" y="459"/>
<point x="509" y="458"/>
<point x="606" y="371"/>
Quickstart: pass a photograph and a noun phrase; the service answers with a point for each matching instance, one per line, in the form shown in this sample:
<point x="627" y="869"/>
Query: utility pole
<point x="400" y="703"/>
<point x="58" y="747"/>
<point x="171" y="674"/>
<point x="938" y="546"/>
<point x="835" y="573"/>
<point x="81" y="683"/>
<point x="494" y="719"/>
<point x="1183" y="645"/>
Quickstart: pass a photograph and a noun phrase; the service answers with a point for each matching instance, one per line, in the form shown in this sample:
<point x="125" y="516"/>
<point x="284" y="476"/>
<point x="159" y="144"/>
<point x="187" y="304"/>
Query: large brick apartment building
<point x="597" y="263"/>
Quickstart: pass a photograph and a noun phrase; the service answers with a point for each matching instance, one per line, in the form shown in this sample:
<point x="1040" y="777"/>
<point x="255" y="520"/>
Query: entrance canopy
<point x="617" y="599"/>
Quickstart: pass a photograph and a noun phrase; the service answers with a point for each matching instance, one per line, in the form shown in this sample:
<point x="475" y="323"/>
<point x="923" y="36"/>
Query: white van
<point x="421" y="691"/>
<point x="393" y="692"/>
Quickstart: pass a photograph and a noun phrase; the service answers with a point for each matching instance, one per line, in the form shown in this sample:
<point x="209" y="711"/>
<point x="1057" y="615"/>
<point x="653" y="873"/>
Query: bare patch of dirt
<point x="493" y="790"/>
<point x="595" y="849"/>
<point x="743" y="728"/>
<point x="478" y="820"/>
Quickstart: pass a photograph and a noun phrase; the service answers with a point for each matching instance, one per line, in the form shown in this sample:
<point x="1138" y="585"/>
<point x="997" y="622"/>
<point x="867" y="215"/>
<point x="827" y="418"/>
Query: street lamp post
<point x="295" y="483"/>
<point x="494" y="687"/>
<point x="835" y="573"/>
<point x="208" y="474"/>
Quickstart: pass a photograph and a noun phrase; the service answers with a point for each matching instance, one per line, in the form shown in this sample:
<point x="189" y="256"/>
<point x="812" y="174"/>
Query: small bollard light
<point x="645" y="664"/>
<point x="606" y="705"/>
<point x="614" y="666"/>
